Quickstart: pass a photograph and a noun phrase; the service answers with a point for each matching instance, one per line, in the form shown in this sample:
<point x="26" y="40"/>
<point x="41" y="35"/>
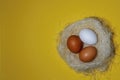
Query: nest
<point x="104" y="45"/>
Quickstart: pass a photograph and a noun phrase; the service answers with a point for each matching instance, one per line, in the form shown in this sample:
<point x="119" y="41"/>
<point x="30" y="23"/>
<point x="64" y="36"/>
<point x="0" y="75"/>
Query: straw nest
<point x="104" y="45"/>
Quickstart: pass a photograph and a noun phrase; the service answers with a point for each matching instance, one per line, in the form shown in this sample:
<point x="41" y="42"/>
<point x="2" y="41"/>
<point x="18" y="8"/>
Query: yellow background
<point x="28" y="33"/>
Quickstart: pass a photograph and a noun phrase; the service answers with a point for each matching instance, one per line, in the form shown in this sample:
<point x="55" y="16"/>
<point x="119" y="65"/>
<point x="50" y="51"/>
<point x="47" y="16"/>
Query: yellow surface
<point x="29" y="30"/>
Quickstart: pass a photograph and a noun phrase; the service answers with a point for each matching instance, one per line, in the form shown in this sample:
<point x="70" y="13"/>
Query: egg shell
<point x="88" y="54"/>
<point x="74" y="44"/>
<point x="88" y="36"/>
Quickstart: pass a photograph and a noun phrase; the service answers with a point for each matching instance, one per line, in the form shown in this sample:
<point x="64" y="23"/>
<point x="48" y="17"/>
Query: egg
<point x="74" y="43"/>
<point x="88" y="54"/>
<point x="88" y="36"/>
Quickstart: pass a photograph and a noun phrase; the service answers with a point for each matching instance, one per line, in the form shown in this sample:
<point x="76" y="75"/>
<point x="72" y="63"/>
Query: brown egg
<point x="88" y="54"/>
<point x="74" y="43"/>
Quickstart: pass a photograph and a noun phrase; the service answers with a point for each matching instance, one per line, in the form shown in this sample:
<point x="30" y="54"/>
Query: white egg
<point x="88" y="36"/>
